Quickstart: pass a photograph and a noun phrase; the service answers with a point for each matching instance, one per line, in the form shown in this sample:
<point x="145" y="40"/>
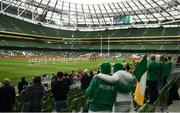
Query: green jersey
<point x="164" y="70"/>
<point x="103" y="94"/>
<point x="153" y="71"/>
<point x="170" y="67"/>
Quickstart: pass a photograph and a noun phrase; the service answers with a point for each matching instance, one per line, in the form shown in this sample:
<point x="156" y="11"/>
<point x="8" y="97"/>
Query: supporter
<point x="7" y="96"/>
<point x="54" y="79"/>
<point x="73" y="77"/>
<point x="117" y="66"/>
<point x="85" y="80"/>
<point x="152" y="79"/>
<point x="91" y="74"/>
<point x="67" y="79"/>
<point x="170" y="64"/>
<point x="79" y="74"/>
<point x="60" y="91"/>
<point x="32" y="96"/>
<point x="103" y="94"/>
<point x="22" y="84"/>
<point x="167" y="71"/>
<point x="161" y="72"/>
<point x="45" y="81"/>
<point x="123" y="101"/>
<point x="127" y="67"/>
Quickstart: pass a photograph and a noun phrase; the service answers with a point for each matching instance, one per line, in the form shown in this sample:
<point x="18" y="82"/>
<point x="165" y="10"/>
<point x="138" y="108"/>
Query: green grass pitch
<point x="15" y="68"/>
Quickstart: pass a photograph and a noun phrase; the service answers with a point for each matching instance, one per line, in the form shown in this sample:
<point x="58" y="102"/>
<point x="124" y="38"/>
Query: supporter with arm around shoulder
<point x="123" y="99"/>
<point x="103" y="94"/>
<point x="119" y="75"/>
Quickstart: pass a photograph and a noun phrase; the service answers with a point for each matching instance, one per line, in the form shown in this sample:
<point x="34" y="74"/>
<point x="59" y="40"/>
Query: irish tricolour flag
<point x="141" y="75"/>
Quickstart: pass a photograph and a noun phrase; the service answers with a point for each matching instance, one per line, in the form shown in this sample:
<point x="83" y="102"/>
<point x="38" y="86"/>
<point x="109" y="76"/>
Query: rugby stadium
<point x="43" y="37"/>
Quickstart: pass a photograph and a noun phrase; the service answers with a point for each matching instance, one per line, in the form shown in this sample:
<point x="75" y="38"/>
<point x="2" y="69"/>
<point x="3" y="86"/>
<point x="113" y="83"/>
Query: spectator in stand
<point x="60" y="91"/>
<point x="91" y="74"/>
<point x="67" y="79"/>
<point x="85" y="80"/>
<point x="170" y="64"/>
<point x="167" y="71"/>
<point x="161" y="72"/>
<point x="79" y="74"/>
<point x="123" y="101"/>
<point x="32" y="96"/>
<point x="53" y="76"/>
<point x="22" y="84"/>
<point x="103" y="94"/>
<point x="7" y="96"/>
<point x="117" y="66"/>
<point x="73" y="77"/>
<point x="0" y="84"/>
<point x="152" y="79"/>
<point x="45" y="81"/>
<point x="54" y="79"/>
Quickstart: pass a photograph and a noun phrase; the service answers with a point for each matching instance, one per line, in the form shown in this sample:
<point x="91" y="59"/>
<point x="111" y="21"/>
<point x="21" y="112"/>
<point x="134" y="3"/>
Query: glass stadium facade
<point x="115" y="15"/>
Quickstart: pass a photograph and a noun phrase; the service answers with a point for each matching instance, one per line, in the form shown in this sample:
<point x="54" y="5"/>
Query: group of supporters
<point x="108" y="88"/>
<point x="158" y="73"/>
<point x="32" y="93"/>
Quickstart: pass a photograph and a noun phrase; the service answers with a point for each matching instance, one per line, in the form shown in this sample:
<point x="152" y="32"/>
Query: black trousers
<point x="153" y="91"/>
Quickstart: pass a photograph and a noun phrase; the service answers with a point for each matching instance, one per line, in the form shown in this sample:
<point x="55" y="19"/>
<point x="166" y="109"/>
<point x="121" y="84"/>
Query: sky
<point x="93" y="1"/>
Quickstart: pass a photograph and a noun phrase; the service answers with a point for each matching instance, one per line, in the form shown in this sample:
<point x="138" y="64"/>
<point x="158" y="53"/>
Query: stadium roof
<point x="92" y="1"/>
<point x="101" y="14"/>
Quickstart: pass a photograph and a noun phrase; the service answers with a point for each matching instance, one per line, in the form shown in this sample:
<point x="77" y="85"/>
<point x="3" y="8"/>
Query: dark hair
<point x="169" y="58"/>
<point x="60" y="74"/>
<point x="65" y="74"/>
<point x="153" y="57"/>
<point x="165" y="59"/>
<point x="37" y="80"/>
<point x="162" y="59"/>
<point x="128" y="67"/>
<point x="23" y="78"/>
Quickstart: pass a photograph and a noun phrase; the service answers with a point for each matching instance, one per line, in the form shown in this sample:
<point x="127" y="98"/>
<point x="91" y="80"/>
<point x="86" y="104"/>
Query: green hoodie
<point x="170" y="67"/>
<point x="164" y="70"/>
<point x="103" y="94"/>
<point x="153" y="71"/>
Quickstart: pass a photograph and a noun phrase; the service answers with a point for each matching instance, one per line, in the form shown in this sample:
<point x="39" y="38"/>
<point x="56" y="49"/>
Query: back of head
<point x="153" y="58"/>
<point x="166" y="59"/>
<point x="127" y="67"/>
<point x="60" y="75"/>
<point x="106" y="68"/>
<point x="6" y="82"/>
<point x="23" y="79"/>
<point x="169" y="58"/>
<point x="37" y="80"/>
<point x="162" y="59"/>
<point x="117" y="67"/>
<point x="85" y="71"/>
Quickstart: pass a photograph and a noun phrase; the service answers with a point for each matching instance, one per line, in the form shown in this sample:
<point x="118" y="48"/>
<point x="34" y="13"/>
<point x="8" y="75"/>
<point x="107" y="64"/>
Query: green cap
<point x="117" y="67"/>
<point x="105" y="68"/>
